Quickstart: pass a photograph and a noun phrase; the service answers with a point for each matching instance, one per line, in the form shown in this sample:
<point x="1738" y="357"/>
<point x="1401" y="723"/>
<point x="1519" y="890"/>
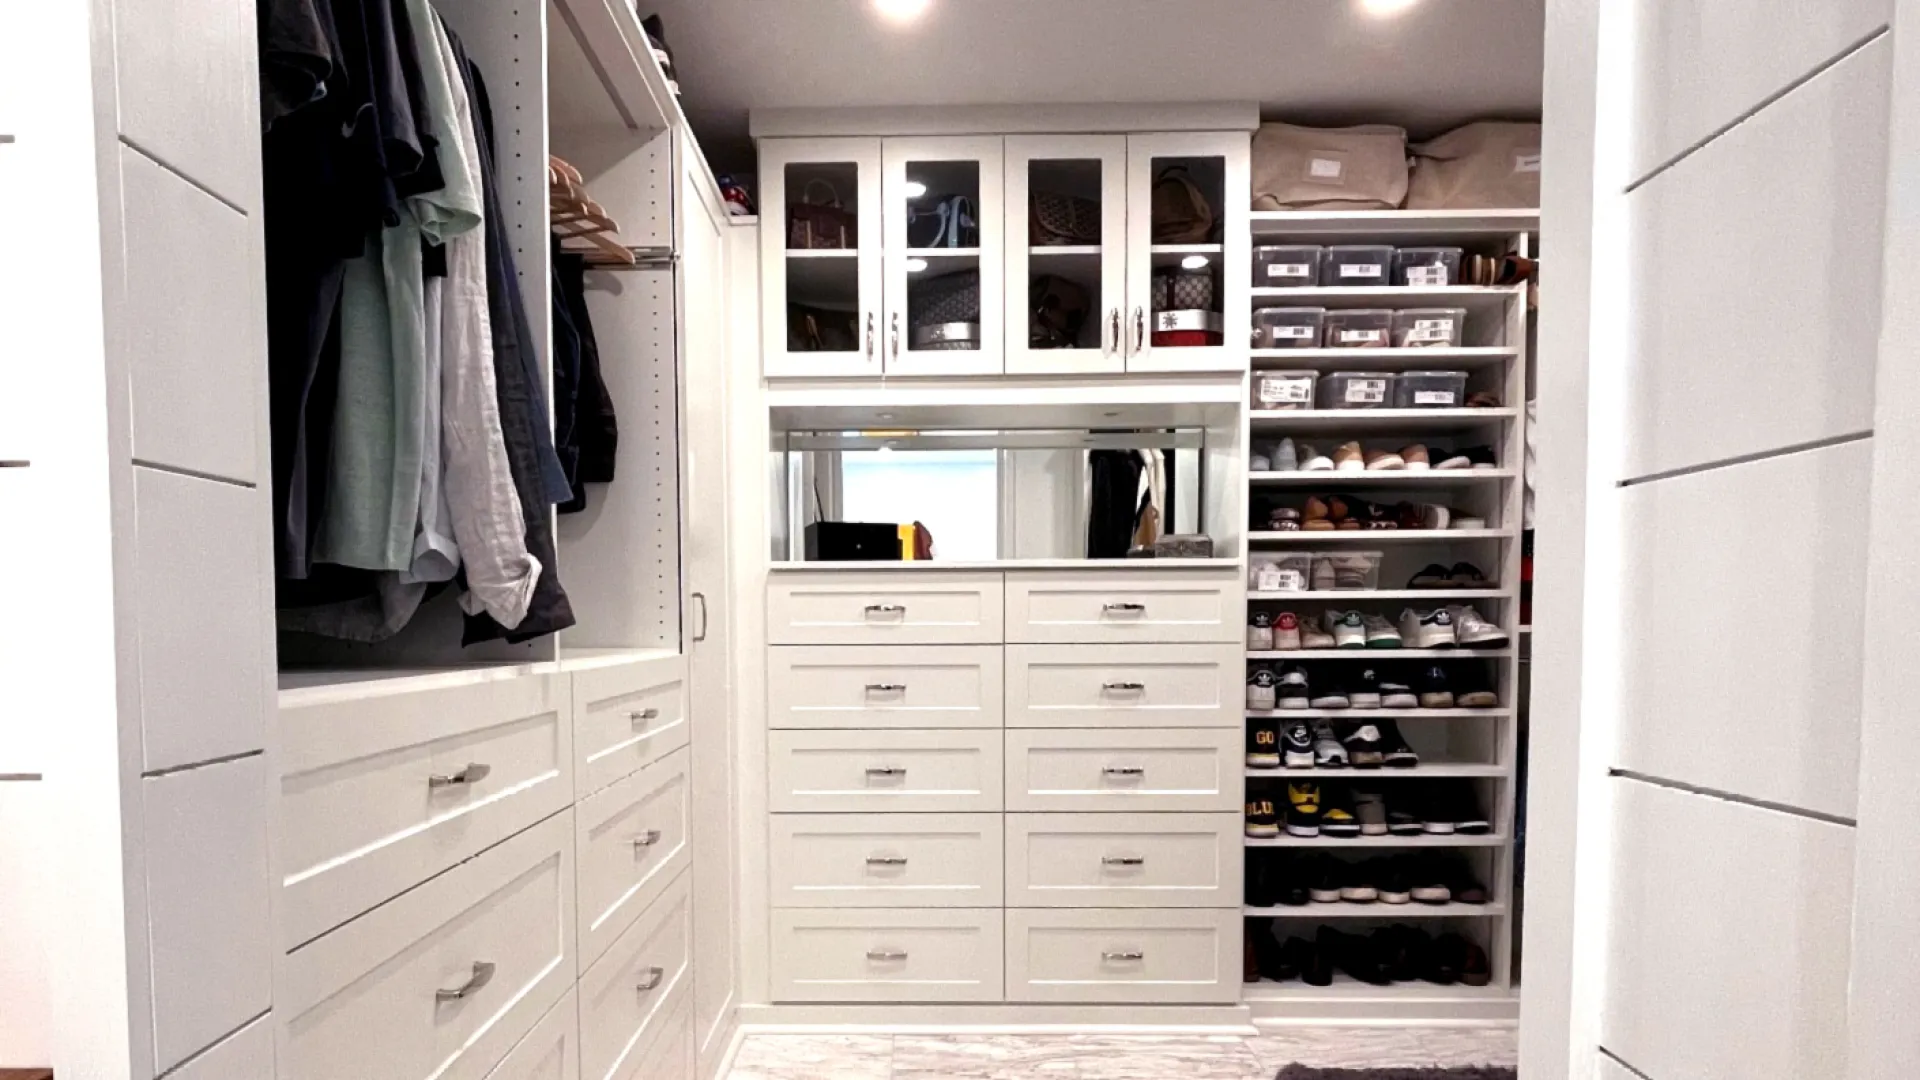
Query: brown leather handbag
<point x="819" y="226"/>
<point x="1181" y="212"/>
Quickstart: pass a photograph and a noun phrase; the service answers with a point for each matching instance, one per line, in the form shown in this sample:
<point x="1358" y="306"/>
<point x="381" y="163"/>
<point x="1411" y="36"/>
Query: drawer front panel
<point x="1124" y="860"/>
<point x="1180" y="770"/>
<point x="1070" y="607"/>
<point x="376" y="997"/>
<point x="1093" y="956"/>
<point x="893" y="771"/>
<point x="670" y="1053"/>
<point x="841" y="686"/>
<point x="887" y="955"/>
<point x="627" y="716"/>
<point x="632" y="845"/>
<point x="905" y="608"/>
<point x="628" y="995"/>
<point x="1104" y="686"/>
<point x="551" y="1051"/>
<point x="377" y="795"/>
<point x="887" y="860"/>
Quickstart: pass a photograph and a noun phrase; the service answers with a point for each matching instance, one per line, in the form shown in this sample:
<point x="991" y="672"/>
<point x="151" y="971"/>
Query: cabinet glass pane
<point x="823" y="263"/>
<point x="1189" y="200"/>
<point x="942" y="208"/>
<point x="1061" y="229"/>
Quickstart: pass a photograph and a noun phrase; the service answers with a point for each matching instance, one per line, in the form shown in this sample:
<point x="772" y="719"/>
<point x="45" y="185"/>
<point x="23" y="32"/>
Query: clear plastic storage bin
<point x="1280" y="390"/>
<point x="1280" y="573"/>
<point x="1361" y="328"/>
<point x="1356" y="390"/>
<point x="1429" y="328"/>
<point x="1288" y="327"/>
<point x="1287" y="266"/>
<point x="1346" y="571"/>
<point x="1357" y="264"/>
<point x="1430" y="390"/>
<point x="1426" y="266"/>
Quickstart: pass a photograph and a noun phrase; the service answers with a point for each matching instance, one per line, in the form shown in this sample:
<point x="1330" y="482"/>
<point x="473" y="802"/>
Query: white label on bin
<point x="1298" y="333"/>
<point x="1324" y="168"/>
<point x="1362" y="337"/>
<point x="1422" y="333"/>
<point x="1526" y="162"/>
<point x="1269" y="577"/>
<point x="1275" y="270"/>
<point x="1372" y="270"/>
<point x="1433" y="397"/>
<point x="1366" y="391"/>
<point x="1291" y="391"/>
<point x="1427" y="275"/>
<point x="1433" y="324"/>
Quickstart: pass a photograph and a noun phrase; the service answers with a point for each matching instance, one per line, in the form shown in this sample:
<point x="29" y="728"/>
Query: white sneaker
<point x="1286" y="631"/>
<point x="1471" y="629"/>
<point x="1348" y="629"/>
<point x="1312" y="637"/>
<point x="1427" y="629"/>
<point x="1286" y="456"/>
<point x="1380" y="632"/>
<point x="1312" y="460"/>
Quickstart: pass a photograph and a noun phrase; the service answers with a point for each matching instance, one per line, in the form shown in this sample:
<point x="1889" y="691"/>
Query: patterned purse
<point x="1055" y="220"/>
<point x="943" y="312"/>
<point x="813" y="226"/>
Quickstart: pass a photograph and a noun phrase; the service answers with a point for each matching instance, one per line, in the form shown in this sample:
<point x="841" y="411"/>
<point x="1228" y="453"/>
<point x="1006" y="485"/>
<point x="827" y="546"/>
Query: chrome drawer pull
<point x="1125" y="770"/>
<point x="639" y="715"/>
<point x="1124" y="860"/>
<point x="654" y="975"/>
<point x="472" y="774"/>
<point x="886" y="860"/>
<point x="886" y="954"/>
<point x="886" y="609"/>
<point x="647" y="839"/>
<point x="886" y="770"/>
<point x="1120" y="955"/>
<point x="1126" y="605"/>
<point x="886" y="688"/>
<point x="1126" y="687"/>
<point x="482" y="975"/>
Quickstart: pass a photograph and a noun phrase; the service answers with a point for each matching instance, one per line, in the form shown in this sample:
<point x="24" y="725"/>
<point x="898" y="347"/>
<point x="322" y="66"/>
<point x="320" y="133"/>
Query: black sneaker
<point x="1263" y="877"/>
<point x="1395" y="753"/>
<point x="1364" y="689"/>
<point x="1481" y="456"/>
<point x="1364" y="746"/>
<point x="1360" y="885"/>
<point x="1429" y="881"/>
<point x="1472" y="690"/>
<point x="1436" y="807"/>
<point x="1337" y="816"/>
<point x="1432" y="576"/>
<point x="1263" y="743"/>
<point x="1303" y="808"/>
<point x="1292" y="690"/>
<point x="1263" y="822"/>
<point x="1434" y="689"/>
<point x="1396" y="692"/>
<point x="1463" y="808"/>
<point x="1329" y="694"/>
<point x="1401" y="819"/>
<point x="1465" y="575"/>
<point x="1323" y="876"/>
<point x="1395" y="886"/>
<point x="1296" y="745"/>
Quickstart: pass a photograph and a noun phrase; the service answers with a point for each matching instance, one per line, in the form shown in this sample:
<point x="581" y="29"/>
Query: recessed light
<point x="915" y="189"/>
<point x="1385" y="9"/>
<point x="914" y="266"/>
<point x="886" y="416"/>
<point x="1193" y="262"/>
<point x="901" y="11"/>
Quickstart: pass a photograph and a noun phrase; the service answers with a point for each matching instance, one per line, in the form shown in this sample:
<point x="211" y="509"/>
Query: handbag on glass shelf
<point x="820" y="226"/>
<point x="1056" y="220"/>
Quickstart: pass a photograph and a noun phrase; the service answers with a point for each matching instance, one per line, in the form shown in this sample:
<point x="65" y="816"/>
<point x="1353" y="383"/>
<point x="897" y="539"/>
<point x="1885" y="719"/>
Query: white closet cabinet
<point x="1217" y="164"/>
<point x="1073" y="174"/>
<point x="821" y="281"/>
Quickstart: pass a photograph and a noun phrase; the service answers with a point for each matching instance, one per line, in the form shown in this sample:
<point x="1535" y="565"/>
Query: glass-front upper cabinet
<point x="944" y="265"/>
<point x="1066" y="254"/>
<point x="820" y="245"/>
<point x="1187" y="252"/>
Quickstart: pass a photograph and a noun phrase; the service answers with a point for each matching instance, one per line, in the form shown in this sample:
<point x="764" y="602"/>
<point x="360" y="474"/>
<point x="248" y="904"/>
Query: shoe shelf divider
<point x="1492" y="363"/>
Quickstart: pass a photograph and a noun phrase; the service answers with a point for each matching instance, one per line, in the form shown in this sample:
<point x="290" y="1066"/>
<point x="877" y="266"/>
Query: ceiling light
<point x="914" y="266"/>
<point x="915" y="189"/>
<point x="901" y="11"/>
<point x="886" y="416"/>
<point x="1385" y="9"/>
<point x="1194" y="262"/>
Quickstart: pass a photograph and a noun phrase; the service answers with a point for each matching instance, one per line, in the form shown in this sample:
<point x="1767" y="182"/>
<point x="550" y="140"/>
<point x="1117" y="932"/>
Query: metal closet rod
<point x="997" y="440"/>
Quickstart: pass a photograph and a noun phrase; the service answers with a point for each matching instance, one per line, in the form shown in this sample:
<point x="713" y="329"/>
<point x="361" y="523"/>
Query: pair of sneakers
<point x="1446" y="627"/>
<point x="1318" y="744"/>
<point x="1301" y="812"/>
<point x="1357" y="630"/>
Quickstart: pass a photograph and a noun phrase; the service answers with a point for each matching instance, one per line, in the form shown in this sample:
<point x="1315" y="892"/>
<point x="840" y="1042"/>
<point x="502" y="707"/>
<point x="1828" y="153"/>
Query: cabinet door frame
<point x="1234" y="148"/>
<point x="990" y="152"/>
<point x="775" y="155"/>
<point x="1111" y="152"/>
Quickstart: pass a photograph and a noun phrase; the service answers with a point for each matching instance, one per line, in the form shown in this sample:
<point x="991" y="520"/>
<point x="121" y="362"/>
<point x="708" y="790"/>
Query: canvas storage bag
<point x="1353" y="168"/>
<point x="1488" y="165"/>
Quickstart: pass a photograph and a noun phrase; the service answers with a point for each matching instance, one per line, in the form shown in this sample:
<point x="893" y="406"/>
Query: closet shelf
<point x="1383" y="714"/>
<point x="1380" y="536"/>
<point x="1477" y="297"/>
<point x="1349" y="422"/>
<point x="1346" y="597"/>
<point x="1104" y="566"/>
<point x="1376" y="910"/>
<point x="1385" y="359"/>
<point x="1403" y="226"/>
<point x="1380" y="478"/>
<point x="1423" y="771"/>
<point x="1350" y="991"/>
<point x="614" y="79"/>
<point x="1454" y="841"/>
<point x="1372" y="654"/>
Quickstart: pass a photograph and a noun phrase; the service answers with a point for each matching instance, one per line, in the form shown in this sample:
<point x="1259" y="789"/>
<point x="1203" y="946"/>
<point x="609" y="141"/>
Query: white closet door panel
<point x="627" y="996"/>
<point x="1147" y="770"/>
<point x="1740" y="664"/>
<point x="1729" y="944"/>
<point x="1102" y="686"/>
<point x="198" y="568"/>
<point x="1759" y="48"/>
<point x="551" y="1051"/>
<point x="905" y="608"/>
<point x="627" y="716"/>
<point x="1605" y="1068"/>
<point x="1165" y="957"/>
<point x="1124" y="860"/>
<point x="632" y="845"/>
<point x="26" y="895"/>
<point x="1756" y="290"/>
<point x="23" y="741"/>
<point x="359" y="818"/>
<point x="886" y="860"/>
<point x="1178" y="605"/>
<point x="887" y="955"/>
<point x="891" y="771"/>
<point x="188" y="91"/>
<point x="23" y="325"/>
<point x="367" y="999"/>
<point x="907" y="686"/>
<point x="208" y="892"/>
<point x="247" y="1054"/>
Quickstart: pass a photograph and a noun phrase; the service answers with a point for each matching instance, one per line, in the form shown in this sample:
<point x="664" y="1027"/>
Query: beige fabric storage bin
<point x="1488" y="165"/>
<point x="1354" y="168"/>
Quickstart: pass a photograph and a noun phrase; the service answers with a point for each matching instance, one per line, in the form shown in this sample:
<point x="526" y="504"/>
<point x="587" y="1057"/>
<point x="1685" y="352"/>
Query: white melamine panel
<point x="784" y="277"/>
<point x="371" y="999"/>
<point x="886" y="860"/>
<point x="985" y="154"/>
<point x="1755" y="289"/>
<point x="632" y="845"/>
<point x="1605" y="1068"/>
<point x="887" y="955"/>
<point x="1727" y="953"/>
<point x="247" y="1054"/>
<point x="1759" y="48"/>
<point x="1181" y="770"/>
<point x="884" y="609"/>
<point x="1124" y="860"/>
<point x="22" y="289"/>
<point x="1104" y="686"/>
<point x="626" y="716"/>
<point x="906" y="686"/>
<point x="892" y="771"/>
<point x="188" y="93"/>
<point x="360" y="817"/>
<point x="1064" y="608"/>
<point x="26" y="896"/>
<point x="196" y="342"/>
<point x="1740" y="670"/>
<point x="208" y="891"/>
<point x="198" y="569"/>
<point x="551" y="1051"/>
<point x="628" y="995"/>
<point x="1163" y="957"/>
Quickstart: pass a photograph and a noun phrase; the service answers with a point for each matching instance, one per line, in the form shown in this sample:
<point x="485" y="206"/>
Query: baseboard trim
<point x="996" y="1019"/>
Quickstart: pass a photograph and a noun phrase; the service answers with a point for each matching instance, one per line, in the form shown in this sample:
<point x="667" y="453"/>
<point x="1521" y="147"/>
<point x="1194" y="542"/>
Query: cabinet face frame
<point x="1233" y="148"/>
<point x="775" y="263"/>
<point x="988" y="152"/>
<point x="1109" y="304"/>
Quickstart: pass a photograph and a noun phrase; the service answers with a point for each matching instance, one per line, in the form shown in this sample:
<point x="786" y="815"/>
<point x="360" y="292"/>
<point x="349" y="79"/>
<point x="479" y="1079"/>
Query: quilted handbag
<point x="1059" y="308"/>
<point x="947" y="223"/>
<point x="814" y="226"/>
<point x="944" y="312"/>
<point x="1182" y="290"/>
<point x="1181" y="212"/>
<point x="1056" y="220"/>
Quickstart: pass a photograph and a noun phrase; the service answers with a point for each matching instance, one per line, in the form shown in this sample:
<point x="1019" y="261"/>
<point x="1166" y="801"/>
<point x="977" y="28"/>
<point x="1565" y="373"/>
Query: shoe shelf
<point x="1368" y="654"/>
<point x="1423" y="771"/>
<point x="1381" y="536"/>
<point x="1449" y="840"/>
<point x="1347" y="988"/>
<point x="1324" y="478"/>
<point x="1376" y="910"/>
<point x="1468" y="357"/>
<point x="1352" y="422"/>
<point x="1403" y="227"/>
<point x="1382" y="714"/>
<point x="1471" y="297"/>
<point x="1361" y="596"/>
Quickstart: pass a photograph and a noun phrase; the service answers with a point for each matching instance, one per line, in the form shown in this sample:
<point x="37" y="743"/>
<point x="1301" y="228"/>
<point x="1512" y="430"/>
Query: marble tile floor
<point x="1113" y="1056"/>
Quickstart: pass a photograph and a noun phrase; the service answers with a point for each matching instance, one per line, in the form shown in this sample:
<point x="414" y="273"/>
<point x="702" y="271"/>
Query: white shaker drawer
<point x="906" y="608"/>
<point x="1182" y="770"/>
<point x="551" y="1051"/>
<point x="887" y="955"/>
<point x="626" y="715"/>
<point x="378" y="794"/>
<point x="1105" y="686"/>
<point x="1124" y="860"/>
<point x="905" y="686"/>
<point x="632" y="845"/>
<point x="627" y="997"/>
<point x="442" y="982"/>
<point x="1165" y="957"/>
<point x="886" y="860"/>
<point x="894" y="771"/>
<point x="1069" y="607"/>
<point x="670" y="1053"/>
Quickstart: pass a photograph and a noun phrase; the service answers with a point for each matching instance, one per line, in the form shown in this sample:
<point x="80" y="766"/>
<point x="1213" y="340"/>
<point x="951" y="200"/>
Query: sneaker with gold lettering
<point x="1263" y="823"/>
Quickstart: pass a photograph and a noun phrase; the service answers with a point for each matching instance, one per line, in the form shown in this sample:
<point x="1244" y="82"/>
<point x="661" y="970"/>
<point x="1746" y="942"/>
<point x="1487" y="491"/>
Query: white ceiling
<point x="1322" y="61"/>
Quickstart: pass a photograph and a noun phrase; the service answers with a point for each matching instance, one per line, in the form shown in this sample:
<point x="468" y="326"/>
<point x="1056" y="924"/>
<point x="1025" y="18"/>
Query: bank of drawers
<point x="1006" y="787"/>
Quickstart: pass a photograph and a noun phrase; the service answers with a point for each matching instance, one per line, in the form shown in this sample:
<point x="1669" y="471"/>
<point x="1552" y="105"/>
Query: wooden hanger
<point x="573" y="215"/>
